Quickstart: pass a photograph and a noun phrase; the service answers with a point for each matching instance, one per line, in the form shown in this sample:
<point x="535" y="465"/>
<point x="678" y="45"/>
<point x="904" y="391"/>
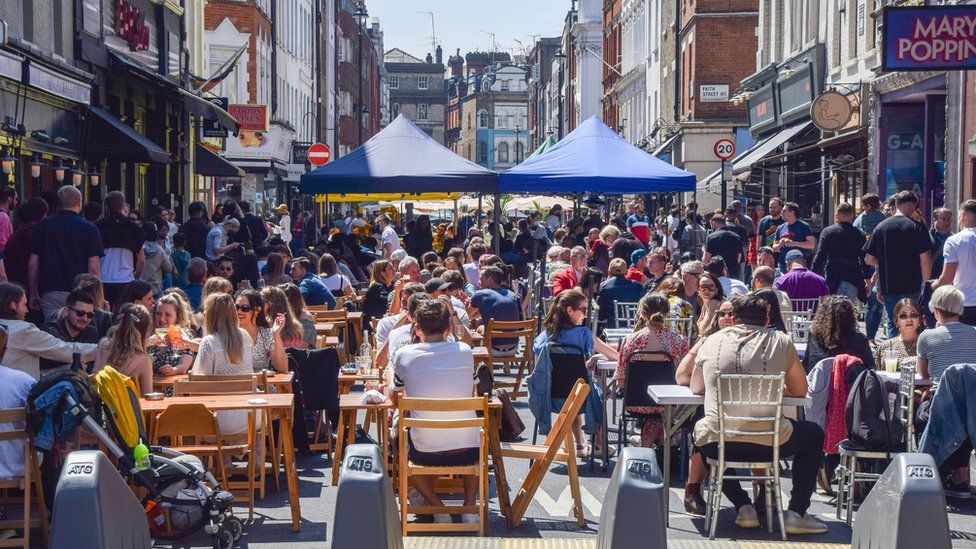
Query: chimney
<point x="429" y="58"/>
<point x="439" y="55"/>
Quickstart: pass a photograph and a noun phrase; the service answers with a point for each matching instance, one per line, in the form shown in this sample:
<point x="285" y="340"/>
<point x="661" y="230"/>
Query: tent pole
<point x="478" y="215"/>
<point x="328" y="213"/>
<point x="496" y="233"/>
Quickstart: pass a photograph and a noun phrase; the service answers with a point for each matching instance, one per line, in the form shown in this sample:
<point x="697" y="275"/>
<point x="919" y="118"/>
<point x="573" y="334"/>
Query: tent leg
<point x="496" y="233"/>
<point x="478" y="215"/>
<point x="328" y="213"/>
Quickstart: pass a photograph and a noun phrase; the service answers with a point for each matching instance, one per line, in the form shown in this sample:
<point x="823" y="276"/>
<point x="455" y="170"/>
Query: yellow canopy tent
<point x="384" y="197"/>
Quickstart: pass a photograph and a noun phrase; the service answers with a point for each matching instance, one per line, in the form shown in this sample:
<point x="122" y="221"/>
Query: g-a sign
<point x="929" y="38"/>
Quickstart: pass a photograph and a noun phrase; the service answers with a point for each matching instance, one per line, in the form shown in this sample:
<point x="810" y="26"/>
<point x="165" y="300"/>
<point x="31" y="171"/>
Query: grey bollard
<point x="366" y="513"/>
<point x="905" y="509"/>
<point x="94" y="508"/>
<point x="635" y="504"/>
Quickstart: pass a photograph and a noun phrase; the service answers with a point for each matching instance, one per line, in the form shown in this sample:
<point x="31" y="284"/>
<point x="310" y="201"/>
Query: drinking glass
<point x="891" y="362"/>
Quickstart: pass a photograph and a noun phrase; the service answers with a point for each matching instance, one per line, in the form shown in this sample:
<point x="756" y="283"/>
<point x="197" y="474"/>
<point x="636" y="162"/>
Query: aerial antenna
<point x="494" y="44"/>
<point x="433" y="35"/>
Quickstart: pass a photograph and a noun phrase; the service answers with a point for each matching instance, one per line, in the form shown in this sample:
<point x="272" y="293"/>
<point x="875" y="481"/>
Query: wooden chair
<point x="341" y="318"/>
<point x="523" y="360"/>
<point x="340" y="303"/>
<point x="408" y="468"/>
<point x="180" y="421"/>
<point x="186" y="387"/>
<point x="558" y="446"/>
<point x="31" y="478"/>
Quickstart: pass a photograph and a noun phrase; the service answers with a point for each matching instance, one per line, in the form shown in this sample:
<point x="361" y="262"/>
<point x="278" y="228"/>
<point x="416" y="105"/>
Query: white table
<point x="605" y="368"/>
<point x="896" y="378"/>
<point x="670" y="397"/>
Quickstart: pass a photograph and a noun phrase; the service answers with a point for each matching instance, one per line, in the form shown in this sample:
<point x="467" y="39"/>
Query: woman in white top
<point x="28" y="343"/>
<point x="223" y="352"/>
<point x="284" y="222"/>
<point x="335" y="281"/>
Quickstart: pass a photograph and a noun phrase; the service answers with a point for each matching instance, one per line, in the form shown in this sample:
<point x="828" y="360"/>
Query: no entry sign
<point x="724" y="149"/>
<point x="319" y="154"/>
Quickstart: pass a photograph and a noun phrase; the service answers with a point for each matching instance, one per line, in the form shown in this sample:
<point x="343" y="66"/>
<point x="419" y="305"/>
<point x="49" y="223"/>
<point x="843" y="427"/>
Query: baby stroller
<point x="182" y="495"/>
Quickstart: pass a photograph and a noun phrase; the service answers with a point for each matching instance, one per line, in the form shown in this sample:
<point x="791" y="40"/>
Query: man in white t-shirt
<point x="959" y="253"/>
<point x="388" y="237"/>
<point x="471" y="270"/>
<point x="14" y="387"/>
<point x="437" y="368"/>
<point x="386" y="324"/>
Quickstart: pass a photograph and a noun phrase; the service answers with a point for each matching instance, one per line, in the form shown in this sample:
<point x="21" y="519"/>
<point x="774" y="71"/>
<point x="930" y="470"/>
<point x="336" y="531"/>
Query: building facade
<point x="357" y="79"/>
<point x="417" y="90"/>
<point x="494" y="129"/>
<point x="541" y="60"/>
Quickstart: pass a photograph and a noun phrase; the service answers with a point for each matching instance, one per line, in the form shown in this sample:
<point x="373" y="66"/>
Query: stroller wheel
<point x="224" y="539"/>
<point x="235" y="526"/>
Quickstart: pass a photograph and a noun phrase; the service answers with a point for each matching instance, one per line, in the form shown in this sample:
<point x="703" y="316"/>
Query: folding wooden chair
<point x="523" y="359"/>
<point x="558" y="446"/>
<point x="341" y="319"/>
<point x="31" y="478"/>
<point x="407" y="468"/>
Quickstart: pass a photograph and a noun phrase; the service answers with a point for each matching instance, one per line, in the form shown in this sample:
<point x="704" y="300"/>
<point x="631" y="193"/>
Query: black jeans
<point x="806" y="447"/>
<point x="969" y="316"/>
<point x="957" y="459"/>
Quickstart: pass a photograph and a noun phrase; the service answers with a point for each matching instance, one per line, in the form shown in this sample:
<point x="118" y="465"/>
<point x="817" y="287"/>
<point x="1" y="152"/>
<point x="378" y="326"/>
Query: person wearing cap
<point x="800" y="282"/>
<point x="638" y="267"/>
<point x="217" y="238"/>
<point x="398" y="256"/>
<point x="438" y="287"/>
<point x="284" y="223"/>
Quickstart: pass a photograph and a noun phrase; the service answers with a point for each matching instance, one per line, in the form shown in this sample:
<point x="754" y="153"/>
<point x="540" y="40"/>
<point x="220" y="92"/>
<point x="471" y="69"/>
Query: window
<point x="482" y="151"/>
<point x="486" y="85"/>
<point x="422" y="111"/>
<point x="506" y="85"/>
<point x="422" y="83"/>
<point x="482" y="118"/>
<point x="394" y="82"/>
<point x="341" y="49"/>
<point x="503" y="152"/>
<point x="396" y="110"/>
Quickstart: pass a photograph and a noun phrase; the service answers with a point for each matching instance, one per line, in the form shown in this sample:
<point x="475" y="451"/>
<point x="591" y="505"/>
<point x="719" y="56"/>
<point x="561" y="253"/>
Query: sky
<point x="459" y="23"/>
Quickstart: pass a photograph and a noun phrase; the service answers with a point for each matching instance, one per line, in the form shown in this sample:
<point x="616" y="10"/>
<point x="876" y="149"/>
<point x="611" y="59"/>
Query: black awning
<point x="211" y="164"/>
<point x="113" y="139"/>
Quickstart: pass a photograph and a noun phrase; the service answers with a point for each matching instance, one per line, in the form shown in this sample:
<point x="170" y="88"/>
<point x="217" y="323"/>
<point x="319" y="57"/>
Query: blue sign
<point x="929" y="38"/>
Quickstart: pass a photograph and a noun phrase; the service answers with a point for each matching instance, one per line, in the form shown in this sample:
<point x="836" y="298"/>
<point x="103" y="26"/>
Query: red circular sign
<point x="319" y="154"/>
<point x="724" y="149"/>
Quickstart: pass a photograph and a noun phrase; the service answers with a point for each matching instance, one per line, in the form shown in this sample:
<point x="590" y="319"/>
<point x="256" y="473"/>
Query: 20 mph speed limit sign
<point x="724" y="149"/>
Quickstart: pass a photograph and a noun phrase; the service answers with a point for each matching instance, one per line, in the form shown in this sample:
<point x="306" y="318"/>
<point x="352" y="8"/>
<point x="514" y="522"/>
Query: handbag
<point x="511" y="425"/>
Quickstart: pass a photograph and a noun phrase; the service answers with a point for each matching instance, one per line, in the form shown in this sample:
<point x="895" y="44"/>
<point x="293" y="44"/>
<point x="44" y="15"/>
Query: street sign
<point x="299" y="152"/>
<point x="319" y="154"/>
<point x="212" y="127"/>
<point x="724" y="149"/>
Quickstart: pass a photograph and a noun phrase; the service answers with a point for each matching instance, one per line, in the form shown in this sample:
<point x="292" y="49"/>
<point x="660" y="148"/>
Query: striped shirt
<point x="767" y="229"/>
<point x="949" y="344"/>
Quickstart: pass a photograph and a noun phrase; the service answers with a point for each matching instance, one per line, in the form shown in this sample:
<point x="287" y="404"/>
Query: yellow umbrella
<point x="385" y="197"/>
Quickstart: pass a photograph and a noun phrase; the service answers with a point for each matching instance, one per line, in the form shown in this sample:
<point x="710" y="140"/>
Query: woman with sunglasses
<point x="377" y="296"/>
<point x="834" y="332"/>
<point x="565" y="324"/>
<point x="267" y="349"/>
<point x="711" y="294"/>
<point x="908" y="320"/>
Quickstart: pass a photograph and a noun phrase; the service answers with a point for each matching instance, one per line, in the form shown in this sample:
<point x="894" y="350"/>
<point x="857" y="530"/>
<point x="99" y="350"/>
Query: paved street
<point x="549" y="515"/>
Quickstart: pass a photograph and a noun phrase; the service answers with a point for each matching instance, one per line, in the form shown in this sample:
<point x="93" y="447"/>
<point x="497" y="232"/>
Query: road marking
<point x="563" y="507"/>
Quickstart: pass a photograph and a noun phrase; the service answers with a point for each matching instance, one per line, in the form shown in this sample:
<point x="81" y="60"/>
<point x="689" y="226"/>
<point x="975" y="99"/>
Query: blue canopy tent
<point x="592" y="158"/>
<point x="401" y="158"/>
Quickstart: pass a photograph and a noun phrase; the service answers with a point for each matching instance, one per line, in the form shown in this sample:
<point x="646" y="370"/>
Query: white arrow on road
<point x="563" y="507"/>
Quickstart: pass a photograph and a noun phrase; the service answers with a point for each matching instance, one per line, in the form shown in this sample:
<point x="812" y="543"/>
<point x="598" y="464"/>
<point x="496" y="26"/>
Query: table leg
<point x="495" y="449"/>
<point x="668" y="412"/>
<point x="340" y="446"/>
<point x="606" y="430"/>
<point x="383" y="435"/>
<point x="290" y="472"/>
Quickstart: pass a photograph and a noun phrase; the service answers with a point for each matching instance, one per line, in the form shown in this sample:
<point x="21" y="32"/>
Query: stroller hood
<point x="120" y="399"/>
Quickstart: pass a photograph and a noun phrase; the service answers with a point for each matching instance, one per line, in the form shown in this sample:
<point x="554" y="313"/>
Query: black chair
<point x="643" y="368"/>
<point x="568" y="365"/>
<point x="316" y="388"/>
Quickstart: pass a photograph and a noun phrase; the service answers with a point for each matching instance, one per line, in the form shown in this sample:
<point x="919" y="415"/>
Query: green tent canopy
<point x="545" y="146"/>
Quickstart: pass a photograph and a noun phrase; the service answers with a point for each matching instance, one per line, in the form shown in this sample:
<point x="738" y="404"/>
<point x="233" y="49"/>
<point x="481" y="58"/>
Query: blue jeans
<point x="848" y="290"/>
<point x="873" y="315"/>
<point x="890" y="301"/>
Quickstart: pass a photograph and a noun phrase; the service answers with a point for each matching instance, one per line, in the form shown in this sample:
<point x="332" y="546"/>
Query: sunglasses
<point x="709" y="287"/>
<point x="85" y="314"/>
<point x="244" y="308"/>
<point x="723" y="314"/>
<point x="906" y="316"/>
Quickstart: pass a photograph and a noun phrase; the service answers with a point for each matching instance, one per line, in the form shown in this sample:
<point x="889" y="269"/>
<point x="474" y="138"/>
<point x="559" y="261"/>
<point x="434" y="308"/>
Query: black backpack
<point x="869" y="419"/>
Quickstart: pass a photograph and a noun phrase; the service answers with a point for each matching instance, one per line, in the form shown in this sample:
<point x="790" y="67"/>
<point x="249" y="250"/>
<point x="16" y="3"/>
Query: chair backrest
<point x="646" y="368"/>
<point x="469" y="404"/>
<point x="261" y="378"/>
<point x="614" y="336"/>
<point x="574" y="403"/>
<point x="805" y="305"/>
<point x="750" y="405"/>
<point x="798" y="323"/>
<point x="906" y="401"/>
<point x="626" y="314"/>
<point x="681" y="325"/>
<point x="10" y="416"/>
<point x="233" y="387"/>
<point x="318" y="308"/>
<point x="568" y="366"/>
<point x="186" y="420"/>
<point x="330" y="316"/>
<point x="340" y="303"/>
<point x="523" y="330"/>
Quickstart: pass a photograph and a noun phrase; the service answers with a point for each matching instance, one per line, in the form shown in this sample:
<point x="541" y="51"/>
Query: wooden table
<point x="281" y="381"/>
<point x="349" y="407"/>
<point x="280" y="405"/>
<point x="346" y="381"/>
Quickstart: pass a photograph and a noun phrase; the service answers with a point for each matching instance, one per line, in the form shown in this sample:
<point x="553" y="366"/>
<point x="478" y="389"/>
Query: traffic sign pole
<point x="725" y="189"/>
<point x="724" y="149"/>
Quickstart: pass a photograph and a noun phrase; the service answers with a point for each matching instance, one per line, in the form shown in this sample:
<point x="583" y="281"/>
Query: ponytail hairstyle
<point x="220" y="321"/>
<point x="557" y="319"/>
<point x="128" y="337"/>
<point x="652" y="311"/>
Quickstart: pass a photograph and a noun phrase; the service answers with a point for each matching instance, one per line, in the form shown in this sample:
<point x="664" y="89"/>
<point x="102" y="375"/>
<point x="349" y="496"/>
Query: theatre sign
<point x="929" y="38"/>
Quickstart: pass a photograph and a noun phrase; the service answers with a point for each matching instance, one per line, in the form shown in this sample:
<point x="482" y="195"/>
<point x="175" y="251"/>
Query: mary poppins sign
<point x="929" y="38"/>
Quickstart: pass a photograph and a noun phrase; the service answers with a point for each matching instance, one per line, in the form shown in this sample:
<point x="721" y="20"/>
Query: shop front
<point x="264" y="156"/>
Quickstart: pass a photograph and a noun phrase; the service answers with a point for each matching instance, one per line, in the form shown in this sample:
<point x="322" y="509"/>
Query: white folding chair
<point x="751" y="400"/>
<point x="626" y="314"/>
<point x="804" y="305"/>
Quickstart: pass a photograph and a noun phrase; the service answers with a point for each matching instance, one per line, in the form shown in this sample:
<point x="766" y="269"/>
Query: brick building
<point x="611" y="62"/>
<point x="358" y="87"/>
<point x="417" y="90"/>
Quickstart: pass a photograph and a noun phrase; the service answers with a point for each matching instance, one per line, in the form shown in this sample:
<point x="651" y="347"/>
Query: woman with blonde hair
<point x="223" y="351"/>
<point x="124" y="348"/>
<point x="173" y="352"/>
<point x="276" y="306"/>
<point x="90" y="283"/>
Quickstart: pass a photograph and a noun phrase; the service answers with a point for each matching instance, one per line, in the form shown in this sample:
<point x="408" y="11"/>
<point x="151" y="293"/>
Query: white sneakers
<point x="802" y="524"/>
<point x="466" y="518"/>
<point x="443" y="518"/>
<point x="469" y="518"/>
<point x="747" y="518"/>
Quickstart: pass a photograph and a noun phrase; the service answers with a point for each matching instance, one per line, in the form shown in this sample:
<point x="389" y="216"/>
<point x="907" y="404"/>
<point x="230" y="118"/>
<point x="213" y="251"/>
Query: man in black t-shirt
<point x="900" y="248"/>
<point x="724" y="242"/>
<point x="123" y="239"/>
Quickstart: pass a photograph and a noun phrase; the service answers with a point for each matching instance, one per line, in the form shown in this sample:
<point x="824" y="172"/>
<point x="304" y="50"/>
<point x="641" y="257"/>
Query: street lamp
<point x="360" y="16"/>
<point x="518" y="145"/>
<point x="559" y="90"/>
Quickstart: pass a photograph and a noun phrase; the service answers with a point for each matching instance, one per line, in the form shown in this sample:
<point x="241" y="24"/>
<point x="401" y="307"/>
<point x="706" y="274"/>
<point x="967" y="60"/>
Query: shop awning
<point x="384" y="197"/>
<point x="211" y="164"/>
<point x="743" y="163"/>
<point x="200" y="106"/>
<point x="664" y="146"/>
<point x="113" y="139"/>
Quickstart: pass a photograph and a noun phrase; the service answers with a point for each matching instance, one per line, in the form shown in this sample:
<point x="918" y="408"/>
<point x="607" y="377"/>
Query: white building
<point x="588" y="44"/>
<point x="631" y="90"/>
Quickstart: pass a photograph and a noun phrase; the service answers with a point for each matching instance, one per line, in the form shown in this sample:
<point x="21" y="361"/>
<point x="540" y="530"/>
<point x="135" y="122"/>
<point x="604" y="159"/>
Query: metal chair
<point x="626" y="314"/>
<point x="805" y="305"/>
<point x="798" y="323"/>
<point x="613" y="336"/>
<point x="682" y="325"/>
<point x="750" y="400"/>
<point x="568" y="366"/>
<point x="847" y="473"/>
<point x="643" y="368"/>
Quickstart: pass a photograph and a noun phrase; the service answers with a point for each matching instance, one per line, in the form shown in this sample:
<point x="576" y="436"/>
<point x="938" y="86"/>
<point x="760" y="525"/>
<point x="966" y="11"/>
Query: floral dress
<point x="262" y="349"/>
